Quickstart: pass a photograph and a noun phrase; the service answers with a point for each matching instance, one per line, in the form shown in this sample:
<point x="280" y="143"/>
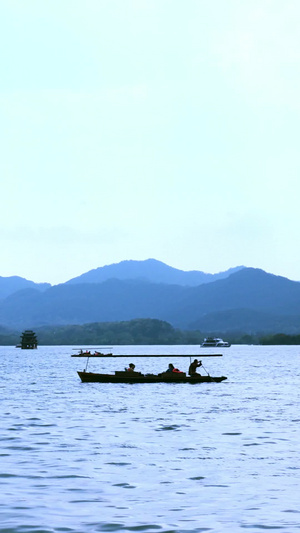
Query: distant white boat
<point x="213" y="342"/>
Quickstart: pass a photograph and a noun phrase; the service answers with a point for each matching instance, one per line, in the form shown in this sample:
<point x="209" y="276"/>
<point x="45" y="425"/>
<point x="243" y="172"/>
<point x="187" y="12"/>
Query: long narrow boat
<point x="96" y="354"/>
<point x="136" y="377"/>
<point x="88" y="353"/>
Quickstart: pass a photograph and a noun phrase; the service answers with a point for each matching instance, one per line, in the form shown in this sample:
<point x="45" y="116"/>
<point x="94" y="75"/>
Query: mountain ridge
<point x="247" y="300"/>
<point x="151" y="270"/>
<point x="11" y="284"/>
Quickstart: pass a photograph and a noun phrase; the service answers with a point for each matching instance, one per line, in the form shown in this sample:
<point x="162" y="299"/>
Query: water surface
<point x="91" y="457"/>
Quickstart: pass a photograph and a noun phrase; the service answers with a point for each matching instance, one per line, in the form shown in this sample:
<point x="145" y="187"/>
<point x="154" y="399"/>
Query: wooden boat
<point x="87" y="353"/>
<point x="137" y="377"/>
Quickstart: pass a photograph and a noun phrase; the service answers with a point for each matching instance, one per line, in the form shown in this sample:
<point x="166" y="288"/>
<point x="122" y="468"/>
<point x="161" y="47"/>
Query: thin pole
<point x="204" y="369"/>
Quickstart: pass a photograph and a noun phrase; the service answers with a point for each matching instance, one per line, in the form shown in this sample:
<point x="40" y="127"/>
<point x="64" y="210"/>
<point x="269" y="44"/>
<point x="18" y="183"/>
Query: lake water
<point x="212" y="457"/>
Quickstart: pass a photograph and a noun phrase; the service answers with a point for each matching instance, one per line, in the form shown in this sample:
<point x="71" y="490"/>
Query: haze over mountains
<point x="150" y="270"/>
<point x="240" y="299"/>
<point x="14" y="283"/>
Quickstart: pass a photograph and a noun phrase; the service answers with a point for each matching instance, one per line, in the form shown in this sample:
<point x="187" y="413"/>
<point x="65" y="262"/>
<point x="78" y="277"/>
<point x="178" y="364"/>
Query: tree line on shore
<point x="137" y="332"/>
<point x="280" y="339"/>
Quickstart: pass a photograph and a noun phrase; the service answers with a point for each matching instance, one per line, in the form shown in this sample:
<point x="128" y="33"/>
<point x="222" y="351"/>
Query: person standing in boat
<point x="193" y="367"/>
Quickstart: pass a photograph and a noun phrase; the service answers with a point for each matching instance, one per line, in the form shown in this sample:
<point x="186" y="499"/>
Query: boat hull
<point x="91" y="377"/>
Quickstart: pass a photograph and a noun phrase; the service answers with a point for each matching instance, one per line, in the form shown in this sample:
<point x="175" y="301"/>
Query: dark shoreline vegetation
<point x="137" y="332"/>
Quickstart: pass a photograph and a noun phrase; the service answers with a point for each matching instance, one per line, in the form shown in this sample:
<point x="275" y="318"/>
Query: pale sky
<point x="136" y="129"/>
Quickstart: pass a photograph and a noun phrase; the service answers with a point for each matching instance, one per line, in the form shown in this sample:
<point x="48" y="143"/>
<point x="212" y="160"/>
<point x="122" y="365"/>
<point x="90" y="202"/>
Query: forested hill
<point x="248" y="300"/>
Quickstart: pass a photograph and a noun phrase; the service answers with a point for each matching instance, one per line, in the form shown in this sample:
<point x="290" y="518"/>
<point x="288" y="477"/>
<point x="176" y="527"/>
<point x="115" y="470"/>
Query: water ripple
<point x="86" y="459"/>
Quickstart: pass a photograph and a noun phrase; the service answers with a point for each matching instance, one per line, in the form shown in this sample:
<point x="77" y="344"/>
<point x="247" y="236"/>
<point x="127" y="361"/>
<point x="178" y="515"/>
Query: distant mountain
<point x="150" y="270"/>
<point x="250" y="288"/>
<point x="13" y="284"/>
<point x="249" y="300"/>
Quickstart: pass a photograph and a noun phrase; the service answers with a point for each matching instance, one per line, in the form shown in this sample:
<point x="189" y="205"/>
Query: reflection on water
<point x="149" y="457"/>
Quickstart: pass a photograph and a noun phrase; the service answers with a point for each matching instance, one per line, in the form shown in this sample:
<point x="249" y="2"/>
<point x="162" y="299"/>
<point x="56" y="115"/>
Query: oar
<point x="204" y="369"/>
<point x="207" y="372"/>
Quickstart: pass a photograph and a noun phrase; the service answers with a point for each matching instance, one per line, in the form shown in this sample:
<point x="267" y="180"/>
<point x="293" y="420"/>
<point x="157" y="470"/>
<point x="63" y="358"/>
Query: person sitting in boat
<point x="193" y="367"/>
<point x="130" y="368"/>
<point x="171" y="368"/>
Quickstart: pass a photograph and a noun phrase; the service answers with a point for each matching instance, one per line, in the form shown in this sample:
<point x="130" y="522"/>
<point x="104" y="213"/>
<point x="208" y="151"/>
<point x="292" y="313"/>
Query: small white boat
<point x="213" y="342"/>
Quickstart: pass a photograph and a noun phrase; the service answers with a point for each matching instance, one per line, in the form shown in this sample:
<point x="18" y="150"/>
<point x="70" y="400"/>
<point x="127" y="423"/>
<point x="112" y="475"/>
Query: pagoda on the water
<point x="28" y="340"/>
